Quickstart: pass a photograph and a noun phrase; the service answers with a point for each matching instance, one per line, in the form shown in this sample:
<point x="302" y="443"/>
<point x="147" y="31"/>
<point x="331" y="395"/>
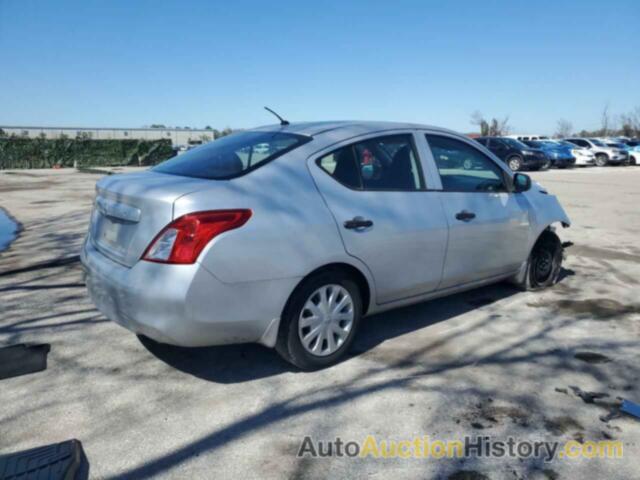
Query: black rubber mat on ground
<point x="61" y="461"/>
<point x="21" y="359"/>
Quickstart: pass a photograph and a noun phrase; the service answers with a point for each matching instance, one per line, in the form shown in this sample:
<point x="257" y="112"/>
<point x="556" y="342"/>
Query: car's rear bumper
<point x="182" y="304"/>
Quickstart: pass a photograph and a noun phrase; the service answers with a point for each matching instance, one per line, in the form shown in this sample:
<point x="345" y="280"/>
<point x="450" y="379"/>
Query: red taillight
<point x="183" y="239"/>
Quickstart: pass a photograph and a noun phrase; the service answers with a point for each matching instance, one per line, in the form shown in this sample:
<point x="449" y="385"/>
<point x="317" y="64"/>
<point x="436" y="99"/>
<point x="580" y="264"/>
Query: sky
<point x="126" y="63"/>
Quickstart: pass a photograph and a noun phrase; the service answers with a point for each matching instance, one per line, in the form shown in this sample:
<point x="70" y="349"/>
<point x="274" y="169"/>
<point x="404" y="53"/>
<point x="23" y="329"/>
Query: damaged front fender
<point x="545" y="209"/>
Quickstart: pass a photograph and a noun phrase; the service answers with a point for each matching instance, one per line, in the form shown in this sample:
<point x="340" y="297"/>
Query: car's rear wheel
<point x="546" y="165"/>
<point x="515" y="163"/>
<point x="602" y="160"/>
<point x="320" y="320"/>
<point x="544" y="263"/>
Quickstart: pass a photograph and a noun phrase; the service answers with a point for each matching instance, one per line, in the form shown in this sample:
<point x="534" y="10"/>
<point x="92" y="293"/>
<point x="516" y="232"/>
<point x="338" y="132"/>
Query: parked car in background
<point x="634" y="151"/>
<point x="560" y="155"/>
<point x="341" y="220"/>
<point x="622" y="146"/>
<point x="516" y="154"/>
<point x="604" y="155"/>
<point x="262" y="148"/>
<point x="584" y="157"/>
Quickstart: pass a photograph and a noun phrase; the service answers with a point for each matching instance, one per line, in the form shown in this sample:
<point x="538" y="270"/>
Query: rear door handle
<point x="465" y="216"/>
<point x="358" y="222"/>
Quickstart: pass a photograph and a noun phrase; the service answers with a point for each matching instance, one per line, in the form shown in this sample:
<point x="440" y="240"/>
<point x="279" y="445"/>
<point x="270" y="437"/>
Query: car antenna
<point x="283" y="122"/>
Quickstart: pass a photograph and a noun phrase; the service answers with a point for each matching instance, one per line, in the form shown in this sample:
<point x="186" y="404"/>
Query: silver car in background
<point x="604" y="154"/>
<point x="289" y="235"/>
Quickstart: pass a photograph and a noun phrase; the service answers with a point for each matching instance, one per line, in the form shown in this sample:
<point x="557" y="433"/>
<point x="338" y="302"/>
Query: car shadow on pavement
<point x="221" y="364"/>
<point x="245" y="362"/>
<point x="384" y="326"/>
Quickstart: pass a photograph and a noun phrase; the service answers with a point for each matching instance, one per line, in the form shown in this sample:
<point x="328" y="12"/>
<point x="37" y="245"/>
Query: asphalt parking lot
<point x="494" y="361"/>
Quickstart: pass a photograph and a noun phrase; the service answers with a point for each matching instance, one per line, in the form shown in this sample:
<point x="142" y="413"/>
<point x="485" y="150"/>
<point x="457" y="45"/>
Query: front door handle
<point x="465" y="216"/>
<point x="358" y="222"/>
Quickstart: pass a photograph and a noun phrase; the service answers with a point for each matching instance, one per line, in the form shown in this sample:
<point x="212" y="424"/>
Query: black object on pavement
<point x="22" y="359"/>
<point x="60" y="461"/>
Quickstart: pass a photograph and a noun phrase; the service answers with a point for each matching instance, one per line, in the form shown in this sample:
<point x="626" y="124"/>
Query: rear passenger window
<point x="341" y="165"/>
<point x="463" y="168"/>
<point x="381" y="163"/>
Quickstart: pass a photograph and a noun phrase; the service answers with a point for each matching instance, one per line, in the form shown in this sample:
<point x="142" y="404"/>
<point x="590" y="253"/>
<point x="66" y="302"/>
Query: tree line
<point x="623" y="125"/>
<point x="216" y="133"/>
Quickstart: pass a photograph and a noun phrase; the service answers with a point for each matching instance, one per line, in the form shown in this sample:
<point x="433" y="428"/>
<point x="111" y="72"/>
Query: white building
<point x="178" y="136"/>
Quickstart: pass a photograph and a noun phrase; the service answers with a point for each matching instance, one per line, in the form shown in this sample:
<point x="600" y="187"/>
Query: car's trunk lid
<point x="131" y="209"/>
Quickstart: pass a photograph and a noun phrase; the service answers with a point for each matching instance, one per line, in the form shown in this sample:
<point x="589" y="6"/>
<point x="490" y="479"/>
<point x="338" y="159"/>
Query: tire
<point x="546" y="165"/>
<point x="544" y="263"/>
<point x="602" y="160"/>
<point x="515" y="163"/>
<point x="467" y="164"/>
<point x="317" y="290"/>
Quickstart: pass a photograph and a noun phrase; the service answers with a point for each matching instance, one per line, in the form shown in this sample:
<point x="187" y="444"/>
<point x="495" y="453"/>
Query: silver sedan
<point x="289" y="235"/>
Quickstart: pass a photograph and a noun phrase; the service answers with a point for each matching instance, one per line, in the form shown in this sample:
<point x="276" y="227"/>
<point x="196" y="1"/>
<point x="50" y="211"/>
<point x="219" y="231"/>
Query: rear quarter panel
<point x="290" y="233"/>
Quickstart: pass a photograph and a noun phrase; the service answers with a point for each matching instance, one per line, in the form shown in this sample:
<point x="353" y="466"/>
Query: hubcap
<point x="514" y="164"/>
<point x="467" y="164"/>
<point x="326" y="320"/>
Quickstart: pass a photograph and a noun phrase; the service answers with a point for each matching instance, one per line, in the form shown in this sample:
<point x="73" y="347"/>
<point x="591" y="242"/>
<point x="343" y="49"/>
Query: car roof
<point x="346" y="128"/>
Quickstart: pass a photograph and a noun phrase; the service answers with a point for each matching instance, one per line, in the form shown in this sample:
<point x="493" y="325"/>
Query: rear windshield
<point x="232" y="156"/>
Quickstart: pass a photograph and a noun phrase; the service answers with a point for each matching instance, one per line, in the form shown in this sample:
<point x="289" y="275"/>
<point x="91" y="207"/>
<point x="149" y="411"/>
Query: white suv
<point x="604" y="155"/>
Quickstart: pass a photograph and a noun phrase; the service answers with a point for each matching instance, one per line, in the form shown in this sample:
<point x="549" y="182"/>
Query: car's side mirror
<point x="521" y="182"/>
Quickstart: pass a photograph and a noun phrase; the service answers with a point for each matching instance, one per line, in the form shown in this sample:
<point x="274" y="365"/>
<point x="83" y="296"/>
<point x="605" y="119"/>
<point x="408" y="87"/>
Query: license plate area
<point x="112" y="236"/>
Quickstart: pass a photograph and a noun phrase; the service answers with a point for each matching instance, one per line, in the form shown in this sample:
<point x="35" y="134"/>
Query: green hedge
<point x="44" y="153"/>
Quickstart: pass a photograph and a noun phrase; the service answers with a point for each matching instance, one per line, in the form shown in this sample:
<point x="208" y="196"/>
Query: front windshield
<point x="536" y="144"/>
<point x="597" y="142"/>
<point x="514" y="143"/>
<point x="231" y="156"/>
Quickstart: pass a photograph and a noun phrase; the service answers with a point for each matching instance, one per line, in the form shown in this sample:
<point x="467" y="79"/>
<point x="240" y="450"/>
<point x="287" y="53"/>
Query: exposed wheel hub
<point x="543" y="265"/>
